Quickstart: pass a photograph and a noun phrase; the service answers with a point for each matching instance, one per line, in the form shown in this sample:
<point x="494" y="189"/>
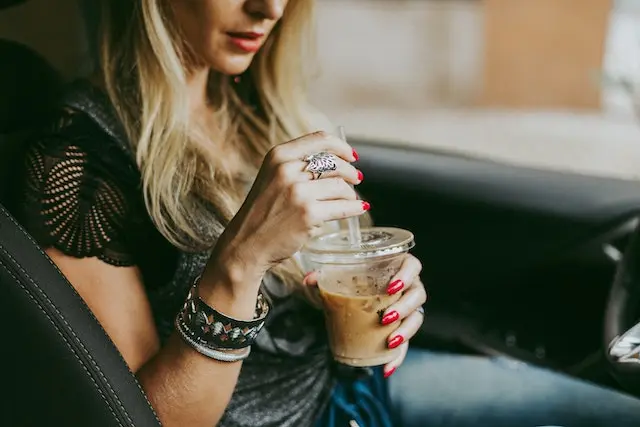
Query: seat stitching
<point x="4" y="251"/>
<point x="75" y="353"/>
<point x="39" y="249"/>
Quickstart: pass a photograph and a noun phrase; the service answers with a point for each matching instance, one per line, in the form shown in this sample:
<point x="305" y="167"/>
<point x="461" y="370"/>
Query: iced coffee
<point x="353" y="282"/>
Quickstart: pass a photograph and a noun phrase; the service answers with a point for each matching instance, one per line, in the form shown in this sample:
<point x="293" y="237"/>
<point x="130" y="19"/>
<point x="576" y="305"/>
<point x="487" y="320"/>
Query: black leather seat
<point x="27" y="86"/>
<point x="4" y="4"/>
<point x="28" y="83"/>
<point x="59" y="368"/>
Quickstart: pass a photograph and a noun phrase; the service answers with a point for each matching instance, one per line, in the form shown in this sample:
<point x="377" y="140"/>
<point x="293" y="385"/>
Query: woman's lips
<point x="248" y="42"/>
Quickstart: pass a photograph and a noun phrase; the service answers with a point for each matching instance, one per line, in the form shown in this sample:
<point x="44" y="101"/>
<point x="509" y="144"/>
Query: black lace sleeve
<point x="73" y="202"/>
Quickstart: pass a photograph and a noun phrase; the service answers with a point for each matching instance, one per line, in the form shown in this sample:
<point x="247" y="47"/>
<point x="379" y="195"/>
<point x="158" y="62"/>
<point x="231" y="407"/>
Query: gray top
<point x="82" y="195"/>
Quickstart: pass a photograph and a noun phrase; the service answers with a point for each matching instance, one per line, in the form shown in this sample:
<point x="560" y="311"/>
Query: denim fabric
<point x="443" y="390"/>
<point x="363" y="401"/>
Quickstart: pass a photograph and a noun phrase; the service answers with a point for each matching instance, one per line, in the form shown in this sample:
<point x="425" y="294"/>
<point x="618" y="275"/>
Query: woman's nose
<point x="266" y="9"/>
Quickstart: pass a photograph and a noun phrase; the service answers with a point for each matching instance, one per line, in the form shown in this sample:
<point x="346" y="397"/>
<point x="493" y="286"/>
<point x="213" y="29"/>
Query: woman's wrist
<point x="231" y="284"/>
<point x="238" y="260"/>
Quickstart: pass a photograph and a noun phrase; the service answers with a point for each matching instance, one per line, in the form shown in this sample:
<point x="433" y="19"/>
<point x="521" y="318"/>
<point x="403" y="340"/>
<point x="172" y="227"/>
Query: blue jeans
<point x="438" y="390"/>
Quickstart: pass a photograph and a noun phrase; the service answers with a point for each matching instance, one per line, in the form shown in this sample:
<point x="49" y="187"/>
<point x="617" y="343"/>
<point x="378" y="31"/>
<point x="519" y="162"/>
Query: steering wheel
<point x="621" y="325"/>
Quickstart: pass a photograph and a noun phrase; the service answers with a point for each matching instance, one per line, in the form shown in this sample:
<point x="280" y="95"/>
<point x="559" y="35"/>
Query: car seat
<point x="59" y="367"/>
<point x="5" y="4"/>
<point x="28" y="85"/>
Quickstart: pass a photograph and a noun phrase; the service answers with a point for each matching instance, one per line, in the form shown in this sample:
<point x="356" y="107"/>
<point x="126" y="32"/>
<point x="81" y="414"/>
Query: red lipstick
<point x="249" y="41"/>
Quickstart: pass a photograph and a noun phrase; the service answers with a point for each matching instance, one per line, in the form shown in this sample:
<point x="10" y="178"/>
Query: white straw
<point x="353" y="222"/>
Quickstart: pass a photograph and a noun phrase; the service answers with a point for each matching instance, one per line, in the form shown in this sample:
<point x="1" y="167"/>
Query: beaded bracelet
<point x="222" y="356"/>
<point x="208" y="327"/>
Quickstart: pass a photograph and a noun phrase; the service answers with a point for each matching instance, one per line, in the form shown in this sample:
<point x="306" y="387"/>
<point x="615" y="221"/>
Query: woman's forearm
<point x="185" y="387"/>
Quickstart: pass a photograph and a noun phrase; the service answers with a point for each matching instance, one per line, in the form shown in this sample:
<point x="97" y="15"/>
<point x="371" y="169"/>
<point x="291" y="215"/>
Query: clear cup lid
<point x="375" y="242"/>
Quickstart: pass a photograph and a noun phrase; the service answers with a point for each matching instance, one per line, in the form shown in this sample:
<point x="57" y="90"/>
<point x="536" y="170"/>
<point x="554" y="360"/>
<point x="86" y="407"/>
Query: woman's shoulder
<point x="80" y="187"/>
<point x="84" y="127"/>
<point x="84" y="116"/>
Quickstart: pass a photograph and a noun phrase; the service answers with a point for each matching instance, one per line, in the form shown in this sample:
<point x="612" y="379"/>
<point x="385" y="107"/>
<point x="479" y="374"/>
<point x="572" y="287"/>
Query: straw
<point x="353" y="223"/>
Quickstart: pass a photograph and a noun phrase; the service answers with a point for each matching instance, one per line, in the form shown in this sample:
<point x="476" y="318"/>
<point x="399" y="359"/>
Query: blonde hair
<point x="144" y="71"/>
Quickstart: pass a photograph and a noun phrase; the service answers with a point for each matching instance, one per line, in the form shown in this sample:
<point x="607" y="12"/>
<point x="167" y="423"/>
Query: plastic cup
<point x="353" y="281"/>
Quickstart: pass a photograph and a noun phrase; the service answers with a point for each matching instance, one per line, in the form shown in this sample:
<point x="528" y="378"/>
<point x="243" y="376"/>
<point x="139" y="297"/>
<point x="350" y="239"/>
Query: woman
<point x="140" y="194"/>
<point x="144" y="194"/>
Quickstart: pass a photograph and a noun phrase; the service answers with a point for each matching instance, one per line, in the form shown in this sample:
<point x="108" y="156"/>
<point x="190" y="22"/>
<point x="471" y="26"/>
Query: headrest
<point x="27" y="85"/>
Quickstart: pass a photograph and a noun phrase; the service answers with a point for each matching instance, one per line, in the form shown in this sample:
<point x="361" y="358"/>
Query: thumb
<point x="310" y="279"/>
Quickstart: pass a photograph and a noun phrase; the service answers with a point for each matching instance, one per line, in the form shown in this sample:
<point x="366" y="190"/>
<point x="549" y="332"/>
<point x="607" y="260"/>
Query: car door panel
<point x="482" y="220"/>
<point x="513" y="257"/>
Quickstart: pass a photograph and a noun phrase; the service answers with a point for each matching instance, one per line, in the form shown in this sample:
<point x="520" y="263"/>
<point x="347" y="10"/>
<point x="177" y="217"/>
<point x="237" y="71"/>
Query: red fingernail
<point x="396" y="341"/>
<point x="395" y="287"/>
<point x="390" y="317"/>
<point x="390" y="372"/>
<point x="366" y="206"/>
<point x="360" y="176"/>
<point x="355" y="154"/>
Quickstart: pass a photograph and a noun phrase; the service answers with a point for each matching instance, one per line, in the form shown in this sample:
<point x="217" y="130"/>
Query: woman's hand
<point x="407" y="312"/>
<point x="286" y="202"/>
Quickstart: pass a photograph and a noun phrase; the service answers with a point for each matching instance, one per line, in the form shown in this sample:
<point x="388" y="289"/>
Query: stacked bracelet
<point x="222" y="356"/>
<point x="211" y="332"/>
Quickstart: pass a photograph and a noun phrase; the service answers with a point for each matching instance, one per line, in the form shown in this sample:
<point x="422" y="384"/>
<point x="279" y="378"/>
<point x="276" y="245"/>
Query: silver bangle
<point x="222" y="356"/>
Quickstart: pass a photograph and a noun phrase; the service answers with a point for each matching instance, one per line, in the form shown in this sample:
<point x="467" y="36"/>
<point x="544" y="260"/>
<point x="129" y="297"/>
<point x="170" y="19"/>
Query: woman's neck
<point x="202" y="112"/>
<point x="197" y="82"/>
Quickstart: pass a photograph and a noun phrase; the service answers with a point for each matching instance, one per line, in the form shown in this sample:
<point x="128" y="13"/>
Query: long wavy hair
<point x="186" y="182"/>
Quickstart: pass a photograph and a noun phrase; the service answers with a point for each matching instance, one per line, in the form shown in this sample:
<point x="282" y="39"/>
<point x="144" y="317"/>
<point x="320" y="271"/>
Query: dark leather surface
<point x="5" y="4"/>
<point x="582" y="199"/>
<point x="622" y="311"/>
<point x="59" y="366"/>
<point x="482" y="225"/>
<point x="28" y="85"/>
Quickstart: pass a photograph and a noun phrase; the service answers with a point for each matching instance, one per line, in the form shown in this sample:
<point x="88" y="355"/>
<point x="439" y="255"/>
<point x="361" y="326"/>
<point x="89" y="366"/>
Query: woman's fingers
<point x="407" y="275"/>
<point x="310" y="279"/>
<point x="407" y="329"/>
<point x="333" y="210"/>
<point x="315" y="214"/>
<point x="294" y="171"/>
<point x="313" y="143"/>
<point x="411" y="300"/>
<point x="327" y="200"/>
<point x="391" y="367"/>
<point x="400" y="339"/>
<point x="343" y="170"/>
<point x="331" y="189"/>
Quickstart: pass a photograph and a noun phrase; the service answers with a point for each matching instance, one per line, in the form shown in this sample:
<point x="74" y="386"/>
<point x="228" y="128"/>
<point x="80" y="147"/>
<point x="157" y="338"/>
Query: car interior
<point x="538" y="266"/>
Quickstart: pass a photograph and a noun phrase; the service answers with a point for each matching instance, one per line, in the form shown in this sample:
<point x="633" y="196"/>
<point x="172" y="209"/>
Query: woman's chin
<point x="232" y="65"/>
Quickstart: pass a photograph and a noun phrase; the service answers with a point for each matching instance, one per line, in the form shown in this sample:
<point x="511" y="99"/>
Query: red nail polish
<point x="395" y="287"/>
<point x="390" y="372"/>
<point x="366" y="206"/>
<point x="390" y="317"/>
<point x="355" y="154"/>
<point x="396" y="341"/>
<point x="360" y="176"/>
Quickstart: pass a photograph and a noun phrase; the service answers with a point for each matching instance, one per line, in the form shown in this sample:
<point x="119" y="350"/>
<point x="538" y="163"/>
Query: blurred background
<point x="544" y="83"/>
